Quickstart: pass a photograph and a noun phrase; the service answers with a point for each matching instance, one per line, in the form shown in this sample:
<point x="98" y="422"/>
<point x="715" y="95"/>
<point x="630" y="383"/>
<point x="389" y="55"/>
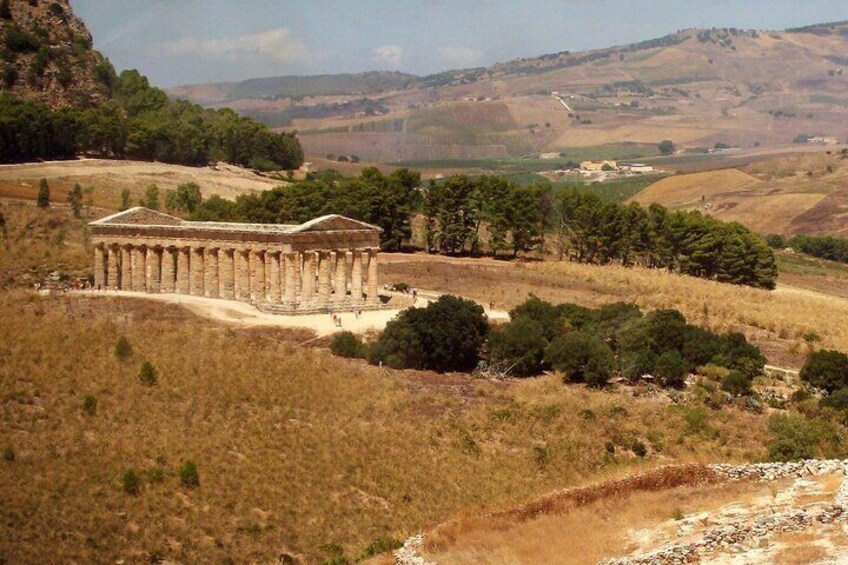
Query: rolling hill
<point x="789" y="195"/>
<point x="697" y="87"/>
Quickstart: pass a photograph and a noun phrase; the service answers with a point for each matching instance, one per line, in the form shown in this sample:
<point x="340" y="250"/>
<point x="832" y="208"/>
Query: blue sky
<point x="192" y="41"/>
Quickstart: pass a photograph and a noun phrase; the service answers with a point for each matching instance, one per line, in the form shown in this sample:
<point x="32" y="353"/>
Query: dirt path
<point x="246" y="315"/>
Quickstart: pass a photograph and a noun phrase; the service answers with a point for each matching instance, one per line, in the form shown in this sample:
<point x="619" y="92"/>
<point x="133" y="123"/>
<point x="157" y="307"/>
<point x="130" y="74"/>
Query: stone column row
<point x="314" y="278"/>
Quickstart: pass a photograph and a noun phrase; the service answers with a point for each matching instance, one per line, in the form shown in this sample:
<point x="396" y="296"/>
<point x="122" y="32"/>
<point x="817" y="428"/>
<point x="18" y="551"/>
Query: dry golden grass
<point x="802" y="548"/>
<point x="590" y="533"/>
<point x="36" y="242"/>
<point x="295" y="448"/>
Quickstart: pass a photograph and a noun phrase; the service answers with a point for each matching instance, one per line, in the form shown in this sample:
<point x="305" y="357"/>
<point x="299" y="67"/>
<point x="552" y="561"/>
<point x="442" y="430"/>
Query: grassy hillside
<point x="789" y="195"/>
<point x="306" y="454"/>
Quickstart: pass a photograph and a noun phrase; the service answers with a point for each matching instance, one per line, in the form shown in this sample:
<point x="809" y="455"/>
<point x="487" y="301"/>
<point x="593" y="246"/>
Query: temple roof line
<point x="141" y="217"/>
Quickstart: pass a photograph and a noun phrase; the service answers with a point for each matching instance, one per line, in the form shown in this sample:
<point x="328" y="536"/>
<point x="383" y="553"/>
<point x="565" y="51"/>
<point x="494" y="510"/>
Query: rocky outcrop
<point x="47" y="56"/>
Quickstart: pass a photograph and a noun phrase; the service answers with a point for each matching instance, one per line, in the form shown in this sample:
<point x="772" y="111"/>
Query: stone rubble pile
<point x="408" y="554"/>
<point x="734" y="537"/>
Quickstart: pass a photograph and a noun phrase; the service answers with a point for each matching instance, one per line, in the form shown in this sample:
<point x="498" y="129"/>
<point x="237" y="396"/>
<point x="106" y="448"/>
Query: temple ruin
<point x="324" y="265"/>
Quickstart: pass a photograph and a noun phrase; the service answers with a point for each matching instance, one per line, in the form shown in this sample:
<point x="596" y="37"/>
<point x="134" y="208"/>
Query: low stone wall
<point x="713" y="540"/>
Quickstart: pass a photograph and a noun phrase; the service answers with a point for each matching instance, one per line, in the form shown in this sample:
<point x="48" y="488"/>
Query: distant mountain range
<point x="697" y="87"/>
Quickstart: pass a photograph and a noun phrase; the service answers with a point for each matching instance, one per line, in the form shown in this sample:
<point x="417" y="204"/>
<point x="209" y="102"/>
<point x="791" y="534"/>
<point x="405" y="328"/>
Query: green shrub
<point x="520" y="346"/>
<point x="581" y="358"/>
<point x="89" y="405"/>
<point x="638" y="448"/>
<point x="671" y="369"/>
<point x="666" y="330"/>
<point x="793" y="438"/>
<point x="826" y="369"/>
<point x="347" y="344"/>
<point x="381" y="544"/>
<point x="838" y="400"/>
<point x="148" y="374"/>
<point x="19" y="41"/>
<point x="542" y="455"/>
<point x="400" y="287"/>
<point x="736" y="384"/>
<point x="131" y="482"/>
<point x="189" y="477"/>
<point x="8" y="453"/>
<point x="123" y="349"/>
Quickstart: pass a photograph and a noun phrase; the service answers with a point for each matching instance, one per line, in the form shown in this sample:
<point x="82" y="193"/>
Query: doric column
<point x="290" y="264"/>
<point x="210" y="275"/>
<point x="272" y="264"/>
<point x="307" y="278"/>
<point x="126" y="268"/>
<point x="196" y="284"/>
<point x="242" y="274"/>
<point x="356" y="277"/>
<point x="183" y="270"/>
<point x="99" y="266"/>
<point x="225" y="274"/>
<point x="113" y="267"/>
<point x="139" y="270"/>
<point x="341" y="276"/>
<point x="372" y="290"/>
<point x="257" y="272"/>
<point x="323" y="279"/>
<point x="153" y="274"/>
<point x="169" y="270"/>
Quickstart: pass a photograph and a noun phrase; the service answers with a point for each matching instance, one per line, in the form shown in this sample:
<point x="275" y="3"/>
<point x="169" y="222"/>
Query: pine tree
<point x="43" y="194"/>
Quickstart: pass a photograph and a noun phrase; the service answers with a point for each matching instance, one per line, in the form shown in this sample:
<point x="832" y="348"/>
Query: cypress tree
<point x="43" y="200"/>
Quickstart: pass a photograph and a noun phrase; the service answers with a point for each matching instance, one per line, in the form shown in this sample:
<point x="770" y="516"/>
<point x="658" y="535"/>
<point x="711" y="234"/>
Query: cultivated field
<point x="798" y="194"/>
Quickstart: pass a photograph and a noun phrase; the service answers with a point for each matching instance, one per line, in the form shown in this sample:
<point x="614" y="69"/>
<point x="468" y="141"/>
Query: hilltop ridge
<point x="697" y="87"/>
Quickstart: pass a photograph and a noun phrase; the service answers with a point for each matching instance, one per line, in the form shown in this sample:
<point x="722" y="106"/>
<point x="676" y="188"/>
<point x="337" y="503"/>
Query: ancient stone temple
<point x="325" y="264"/>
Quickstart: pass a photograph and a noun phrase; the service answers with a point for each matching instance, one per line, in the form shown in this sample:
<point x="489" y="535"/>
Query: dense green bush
<point x="671" y="369"/>
<point x="736" y="383"/>
<point x="189" y="477"/>
<point x="131" y="482"/>
<point x="826" y="369"/>
<point x="347" y="344"/>
<point x="148" y="375"/>
<point x="123" y="349"/>
<point x="447" y="335"/>
<point x="519" y="346"/>
<point x="581" y="357"/>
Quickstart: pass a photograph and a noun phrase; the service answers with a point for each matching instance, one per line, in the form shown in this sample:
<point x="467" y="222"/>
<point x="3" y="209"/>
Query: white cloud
<point x="460" y="56"/>
<point x="389" y="55"/>
<point x="275" y="46"/>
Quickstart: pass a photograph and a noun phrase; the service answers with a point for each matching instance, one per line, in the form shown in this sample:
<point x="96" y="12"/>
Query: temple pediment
<point x="140" y="215"/>
<point x="333" y="222"/>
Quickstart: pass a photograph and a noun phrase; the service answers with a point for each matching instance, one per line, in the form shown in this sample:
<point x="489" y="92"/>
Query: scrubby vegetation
<point x="588" y="345"/>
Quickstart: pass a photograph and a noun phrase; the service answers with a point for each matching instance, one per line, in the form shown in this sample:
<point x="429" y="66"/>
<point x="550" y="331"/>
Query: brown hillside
<point x="799" y="194"/>
<point x="695" y="87"/>
<point x="47" y="56"/>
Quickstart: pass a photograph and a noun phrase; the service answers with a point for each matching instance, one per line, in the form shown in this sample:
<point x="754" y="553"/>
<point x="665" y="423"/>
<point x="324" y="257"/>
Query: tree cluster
<point x="591" y="345"/>
<point x="387" y="201"/>
<point x="820" y="246"/>
<point x="140" y="122"/>
<point x="590" y="230"/>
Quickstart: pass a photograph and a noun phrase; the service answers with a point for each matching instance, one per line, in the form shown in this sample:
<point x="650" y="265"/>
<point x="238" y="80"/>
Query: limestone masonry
<point x="326" y="264"/>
